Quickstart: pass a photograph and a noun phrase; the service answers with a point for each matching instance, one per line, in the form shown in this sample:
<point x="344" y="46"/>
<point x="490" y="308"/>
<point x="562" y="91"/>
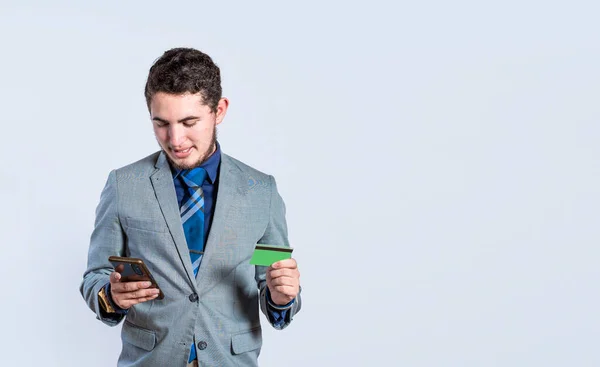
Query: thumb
<point x="115" y="277"/>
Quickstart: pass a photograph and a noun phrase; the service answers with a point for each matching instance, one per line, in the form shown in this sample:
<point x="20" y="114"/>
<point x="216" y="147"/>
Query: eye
<point x="189" y="123"/>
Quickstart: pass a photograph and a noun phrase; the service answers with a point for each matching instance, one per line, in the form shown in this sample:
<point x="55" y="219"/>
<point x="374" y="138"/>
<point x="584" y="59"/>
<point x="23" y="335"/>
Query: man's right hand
<point x="127" y="294"/>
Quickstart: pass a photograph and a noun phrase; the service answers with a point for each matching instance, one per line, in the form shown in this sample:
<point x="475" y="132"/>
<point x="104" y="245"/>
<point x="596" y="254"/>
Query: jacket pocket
<point x="145" y="224"/>
<point x="135" y="335"/>
<point x="247" y="340"/>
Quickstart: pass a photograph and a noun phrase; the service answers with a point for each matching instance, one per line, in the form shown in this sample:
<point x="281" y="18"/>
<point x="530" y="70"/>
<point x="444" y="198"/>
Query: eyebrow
<point x="187" y="118"/>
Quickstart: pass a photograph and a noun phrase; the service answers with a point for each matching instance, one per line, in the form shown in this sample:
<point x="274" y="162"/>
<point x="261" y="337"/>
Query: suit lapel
<point x="162" y="182"/>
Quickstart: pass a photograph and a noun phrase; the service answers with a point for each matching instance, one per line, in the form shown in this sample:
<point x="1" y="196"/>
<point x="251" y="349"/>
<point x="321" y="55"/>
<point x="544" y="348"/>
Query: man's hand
<point x="283" y="280"/>
<point x="127" y="294"/>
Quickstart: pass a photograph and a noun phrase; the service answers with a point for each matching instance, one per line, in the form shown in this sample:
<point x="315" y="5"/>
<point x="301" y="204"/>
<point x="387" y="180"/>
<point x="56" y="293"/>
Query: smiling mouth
<point x="181" y="153"/>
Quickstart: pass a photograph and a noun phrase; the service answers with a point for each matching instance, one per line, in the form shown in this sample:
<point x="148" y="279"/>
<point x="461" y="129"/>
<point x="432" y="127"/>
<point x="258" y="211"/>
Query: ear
<point x="222" y="109"/>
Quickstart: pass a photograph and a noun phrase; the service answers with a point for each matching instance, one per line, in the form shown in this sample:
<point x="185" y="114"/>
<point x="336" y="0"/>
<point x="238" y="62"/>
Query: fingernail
<point x="147" y="284"/>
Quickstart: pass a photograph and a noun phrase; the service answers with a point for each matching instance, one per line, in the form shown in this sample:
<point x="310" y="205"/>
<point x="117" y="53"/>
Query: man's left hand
<point x="283" y="280"/>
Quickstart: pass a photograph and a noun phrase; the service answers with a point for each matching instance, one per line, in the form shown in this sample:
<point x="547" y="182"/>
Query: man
<point x="193" y="215"/>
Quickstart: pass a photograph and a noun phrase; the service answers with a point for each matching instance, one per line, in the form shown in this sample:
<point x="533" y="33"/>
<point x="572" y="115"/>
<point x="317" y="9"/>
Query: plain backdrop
<point x="439" y="162"/>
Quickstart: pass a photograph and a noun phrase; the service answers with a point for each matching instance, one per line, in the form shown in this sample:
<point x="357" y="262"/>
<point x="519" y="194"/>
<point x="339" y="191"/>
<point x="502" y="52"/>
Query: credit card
<point x="266" y="255"/>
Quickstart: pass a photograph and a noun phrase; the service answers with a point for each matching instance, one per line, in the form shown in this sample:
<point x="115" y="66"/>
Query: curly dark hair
<point x="185" y="70"/>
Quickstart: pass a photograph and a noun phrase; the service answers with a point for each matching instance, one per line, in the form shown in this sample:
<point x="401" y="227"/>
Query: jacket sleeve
<point x="275" y="234"/>
<point x="107" y="239"/>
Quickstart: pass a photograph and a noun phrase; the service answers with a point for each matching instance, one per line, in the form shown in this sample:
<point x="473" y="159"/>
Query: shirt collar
<point x="211" y="165"/>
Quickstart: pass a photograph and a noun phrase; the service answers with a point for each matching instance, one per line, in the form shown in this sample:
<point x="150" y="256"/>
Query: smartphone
<point x="134" y="270"/>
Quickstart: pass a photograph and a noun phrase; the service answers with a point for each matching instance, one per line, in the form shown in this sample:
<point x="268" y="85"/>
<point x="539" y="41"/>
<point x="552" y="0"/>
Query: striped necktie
<point x="192" y="218"/>
<point x="192" y="214"/>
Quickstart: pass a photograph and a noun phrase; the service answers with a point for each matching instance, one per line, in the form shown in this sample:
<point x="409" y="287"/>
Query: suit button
<point x="193" y="297"/>
<point x="202" y="345"/>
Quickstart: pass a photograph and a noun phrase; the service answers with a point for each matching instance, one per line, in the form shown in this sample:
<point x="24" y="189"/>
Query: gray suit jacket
<point x="138" y="216"/>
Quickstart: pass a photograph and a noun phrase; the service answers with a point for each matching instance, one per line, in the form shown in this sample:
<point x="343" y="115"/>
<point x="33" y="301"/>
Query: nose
<point x="176" y="135"/>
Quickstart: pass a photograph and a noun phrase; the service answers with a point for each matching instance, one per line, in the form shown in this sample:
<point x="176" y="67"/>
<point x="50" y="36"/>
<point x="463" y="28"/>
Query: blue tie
<point x="192" y="218"/>
<point x="192" y="214"/>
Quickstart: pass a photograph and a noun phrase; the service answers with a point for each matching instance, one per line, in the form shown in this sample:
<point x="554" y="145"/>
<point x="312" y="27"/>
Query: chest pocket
<point x="146" y="224"/>
<point x="146" y="237"/>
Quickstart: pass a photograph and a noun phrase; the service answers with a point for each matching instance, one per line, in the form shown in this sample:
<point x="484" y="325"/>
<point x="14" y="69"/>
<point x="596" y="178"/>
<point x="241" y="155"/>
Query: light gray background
<point x="439" y="162"/>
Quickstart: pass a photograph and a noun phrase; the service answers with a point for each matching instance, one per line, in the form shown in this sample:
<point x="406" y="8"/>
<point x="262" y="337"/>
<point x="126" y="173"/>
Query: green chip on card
<point x="266" y="255"/>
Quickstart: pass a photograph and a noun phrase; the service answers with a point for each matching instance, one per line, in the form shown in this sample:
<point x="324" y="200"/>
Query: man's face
<point x="185" y="127"/>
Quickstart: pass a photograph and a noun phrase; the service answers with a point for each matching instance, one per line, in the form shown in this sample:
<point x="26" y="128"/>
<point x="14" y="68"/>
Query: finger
<point x="285" y="272"/>
<point x="124" y="287"/>
<point x="146" y="299"/>
<point x="287" y="263"/>
<point x="285" y="290"/>
<point x="287" y="281"/>
<point x="139" y="294"/>
<point x="286" y="276"/>
<point x="114" y="278"/>
<point x="125" y="304"/>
